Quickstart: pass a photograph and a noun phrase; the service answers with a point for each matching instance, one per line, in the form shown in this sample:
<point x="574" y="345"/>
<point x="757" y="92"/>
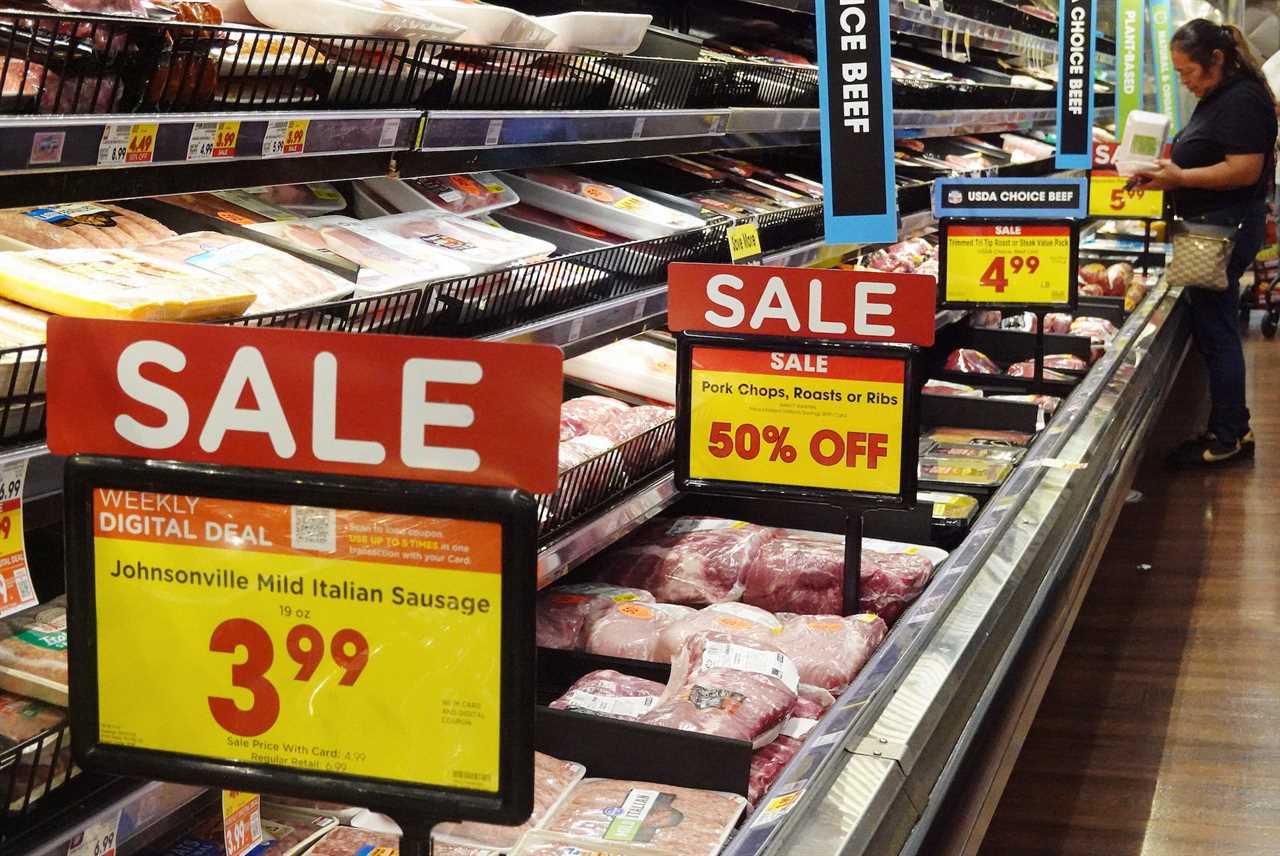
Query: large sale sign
<point x="437" y="410"/>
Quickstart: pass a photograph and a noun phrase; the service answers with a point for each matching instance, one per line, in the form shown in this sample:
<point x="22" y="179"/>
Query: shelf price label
<point x="744" y="243"/>
<point x="128" y="144"/>
<point x="213" y="140"/>
<point x="99" y="838"/>
<point x="16" y="590"/>
<point x="1108" y="197"/>
<point x="285" y="137"/>
<point x="1009" y="264"/>
<point x="266" y="629"/>
<point x="816" y="420"/>
<point x="241" y="822"/>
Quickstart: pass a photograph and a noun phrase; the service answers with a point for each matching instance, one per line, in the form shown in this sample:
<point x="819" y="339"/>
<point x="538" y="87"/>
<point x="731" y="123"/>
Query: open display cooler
<point x="899" y="743"/>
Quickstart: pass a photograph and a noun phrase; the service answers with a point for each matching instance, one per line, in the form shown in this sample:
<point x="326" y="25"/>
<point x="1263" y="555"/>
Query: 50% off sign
<point x="785" y="419"/>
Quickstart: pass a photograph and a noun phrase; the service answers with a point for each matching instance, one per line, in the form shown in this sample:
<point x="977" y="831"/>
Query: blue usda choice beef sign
<point x="1021" y="198"/>
<point x="1077" y="23"/>
<point x="856" y="98"/>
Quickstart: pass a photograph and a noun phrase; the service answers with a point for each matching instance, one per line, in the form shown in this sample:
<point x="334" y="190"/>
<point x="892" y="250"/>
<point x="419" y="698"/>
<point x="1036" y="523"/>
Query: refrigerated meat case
<point x="897" y="742"/>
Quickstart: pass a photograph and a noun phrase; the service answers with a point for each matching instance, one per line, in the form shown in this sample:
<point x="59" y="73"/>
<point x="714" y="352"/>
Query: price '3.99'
<point x="348" y="649"/>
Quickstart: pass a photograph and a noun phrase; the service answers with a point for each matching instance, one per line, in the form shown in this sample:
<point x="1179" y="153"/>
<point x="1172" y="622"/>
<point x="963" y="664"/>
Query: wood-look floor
<point x="1160" y="732"/>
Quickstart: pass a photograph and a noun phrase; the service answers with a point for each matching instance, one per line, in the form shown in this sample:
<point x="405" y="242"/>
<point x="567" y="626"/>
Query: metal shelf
<point x="920" y="19"/>
<point x="954" y="123"/>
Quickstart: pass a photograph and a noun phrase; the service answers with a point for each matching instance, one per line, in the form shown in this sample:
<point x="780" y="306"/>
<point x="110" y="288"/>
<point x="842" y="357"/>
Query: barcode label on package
<point x="313" y="529"/>
<point x="610" y="705"/>
<point x="727" y="655"/>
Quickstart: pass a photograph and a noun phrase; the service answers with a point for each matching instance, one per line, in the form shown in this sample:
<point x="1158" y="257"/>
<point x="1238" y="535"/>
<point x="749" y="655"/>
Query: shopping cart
<point x="1262" y="293"/>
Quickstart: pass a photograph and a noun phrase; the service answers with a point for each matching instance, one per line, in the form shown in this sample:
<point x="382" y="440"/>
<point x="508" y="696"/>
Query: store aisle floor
<point x="1160" y="732"/>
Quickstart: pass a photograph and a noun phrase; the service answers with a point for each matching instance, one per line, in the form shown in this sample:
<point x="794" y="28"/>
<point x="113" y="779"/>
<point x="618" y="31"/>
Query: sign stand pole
<point x="1040" y="316"/>
<point x="851" y="593"/>
<point x="415" y="837"/>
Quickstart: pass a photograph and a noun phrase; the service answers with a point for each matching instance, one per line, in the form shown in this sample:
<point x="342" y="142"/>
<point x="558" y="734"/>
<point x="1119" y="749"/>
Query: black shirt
<point x="1237" y="118"/>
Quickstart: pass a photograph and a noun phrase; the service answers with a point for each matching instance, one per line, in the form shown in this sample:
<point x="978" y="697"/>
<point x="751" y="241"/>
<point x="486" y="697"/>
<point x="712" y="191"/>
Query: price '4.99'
<point x="997" y="273"/>
<point x="348" y="649"/>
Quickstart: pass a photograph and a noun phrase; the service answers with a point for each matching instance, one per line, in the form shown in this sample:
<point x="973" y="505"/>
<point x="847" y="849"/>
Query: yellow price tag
<point x="295" y="137"/>
<point x="16" y="591"/>
<point x="263" y="632"/>
<point x="1015" y="264"/>
<point x="744" y="241"/>
<point x="142" y="143"/>
<point x="821" y="421"/>
<point x="225" y="138"/>
<point x="629" y="203"/>
<point x="1108" y="198"/>
<point x="324" y="191"/>
<point x="241" y="822"/>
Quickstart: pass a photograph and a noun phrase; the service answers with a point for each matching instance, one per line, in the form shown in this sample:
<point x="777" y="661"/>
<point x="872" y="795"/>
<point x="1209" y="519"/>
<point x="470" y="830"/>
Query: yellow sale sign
<point x="336" y="641"/>
<point x="1016" y="264"/>
<point x="1109" y="198"/>
<point x="808" y="420"/>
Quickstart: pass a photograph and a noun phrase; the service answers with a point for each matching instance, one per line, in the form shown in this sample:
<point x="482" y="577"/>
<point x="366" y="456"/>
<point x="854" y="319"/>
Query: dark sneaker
<point x="1205" y="450"/>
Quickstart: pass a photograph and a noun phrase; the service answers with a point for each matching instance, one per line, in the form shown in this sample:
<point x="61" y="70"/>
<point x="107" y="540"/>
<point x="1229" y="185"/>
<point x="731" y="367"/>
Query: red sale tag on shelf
<point x="99" y="838"/>
<point x="16" y="591"/>
<point x="301" y="400"/>
<point x="241" y="822"/>
<point x="858" y="306"/>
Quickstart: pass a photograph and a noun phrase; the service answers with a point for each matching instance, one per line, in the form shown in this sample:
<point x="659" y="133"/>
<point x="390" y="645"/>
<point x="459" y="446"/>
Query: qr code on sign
<point x="313" y="529"/>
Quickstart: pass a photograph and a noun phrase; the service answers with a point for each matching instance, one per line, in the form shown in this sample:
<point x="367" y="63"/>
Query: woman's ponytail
<point x="1246" y="61"/>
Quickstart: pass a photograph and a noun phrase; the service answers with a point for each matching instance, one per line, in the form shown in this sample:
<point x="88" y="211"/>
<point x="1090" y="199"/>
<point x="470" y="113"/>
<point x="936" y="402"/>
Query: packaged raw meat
<point x="1134" y="295"/>
<point x="481" y="248"/>
<point x="552" y="781"/>
<point x="959" y="471"/>
<point x="978" y="453"/>
<point x="645" y="817"/>
<point x="728" y="686"/>
<point x="21" y="325"/>
<point x="578" y="450"/>
<point x="603" y="32"/>
<point x="612" y="694"/>
<point x="768" y="762"/>
<point x="689" y="560"/>
<point x="1027" y="368"/>
<point x="797" y="572"/>
<point x="631" y="630"/>
<point x="1057" y="323"/>
<point x="80" y="225"/>
<point x="569" y="236"/>
<point x="346" y="840"/>
<point x="733" y="619"/>
<point x="562" y="612"/>
<point x="301" y="200"/>
<point x="969" y="361"/>
<point x="588" y="414"/>
<point x="486" y="24"/>
<point x="1048" y="404"/>
<point x="23" y="718"/>
<point x="1090" y="289"/>
<point x="541" y="844"/>
<point x="122" y="284"/>
<point x="637" y="366"/>
<point x="364" y="18"/>
<point x="1093" y="273"/>
<point x="464" y="195"/>
<point x="978" y="436"/>
<point x="986" y="318"/>
<point x="954" y="390"/>
<point x="1027" y="322"/>
<point x="1095" y="328"/>
<point x="892" y="580"/>
<point x="221" y="206"/>
<point x="1119" y="278"/>
<point x="602" y="205"/>
<point x="730" y="198"/>
<point x="280" y="281"/>
<point x="260" y="55"/>
<point x="828" y="650"/>
<point x="386" y="261"/>
<point x="33" y="652"/>
<point x="633" y="422"/>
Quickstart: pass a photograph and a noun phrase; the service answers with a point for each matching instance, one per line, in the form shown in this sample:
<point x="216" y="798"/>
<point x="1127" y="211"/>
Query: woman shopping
<point x="1220" y="172"/>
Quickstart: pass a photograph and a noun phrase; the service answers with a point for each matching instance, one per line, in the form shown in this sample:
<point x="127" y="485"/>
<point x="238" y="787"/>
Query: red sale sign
<point x="858" y="306"/>
<point x="354" y="404"/>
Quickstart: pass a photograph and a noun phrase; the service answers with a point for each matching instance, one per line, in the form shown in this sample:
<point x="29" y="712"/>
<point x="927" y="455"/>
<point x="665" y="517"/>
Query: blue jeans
<point x="1215" y="324"/>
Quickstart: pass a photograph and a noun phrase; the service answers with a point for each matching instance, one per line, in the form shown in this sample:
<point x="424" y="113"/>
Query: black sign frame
<point x="854" y="501"/>
<point x="1073" y="285"/>
<point x="513" y="510"/>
